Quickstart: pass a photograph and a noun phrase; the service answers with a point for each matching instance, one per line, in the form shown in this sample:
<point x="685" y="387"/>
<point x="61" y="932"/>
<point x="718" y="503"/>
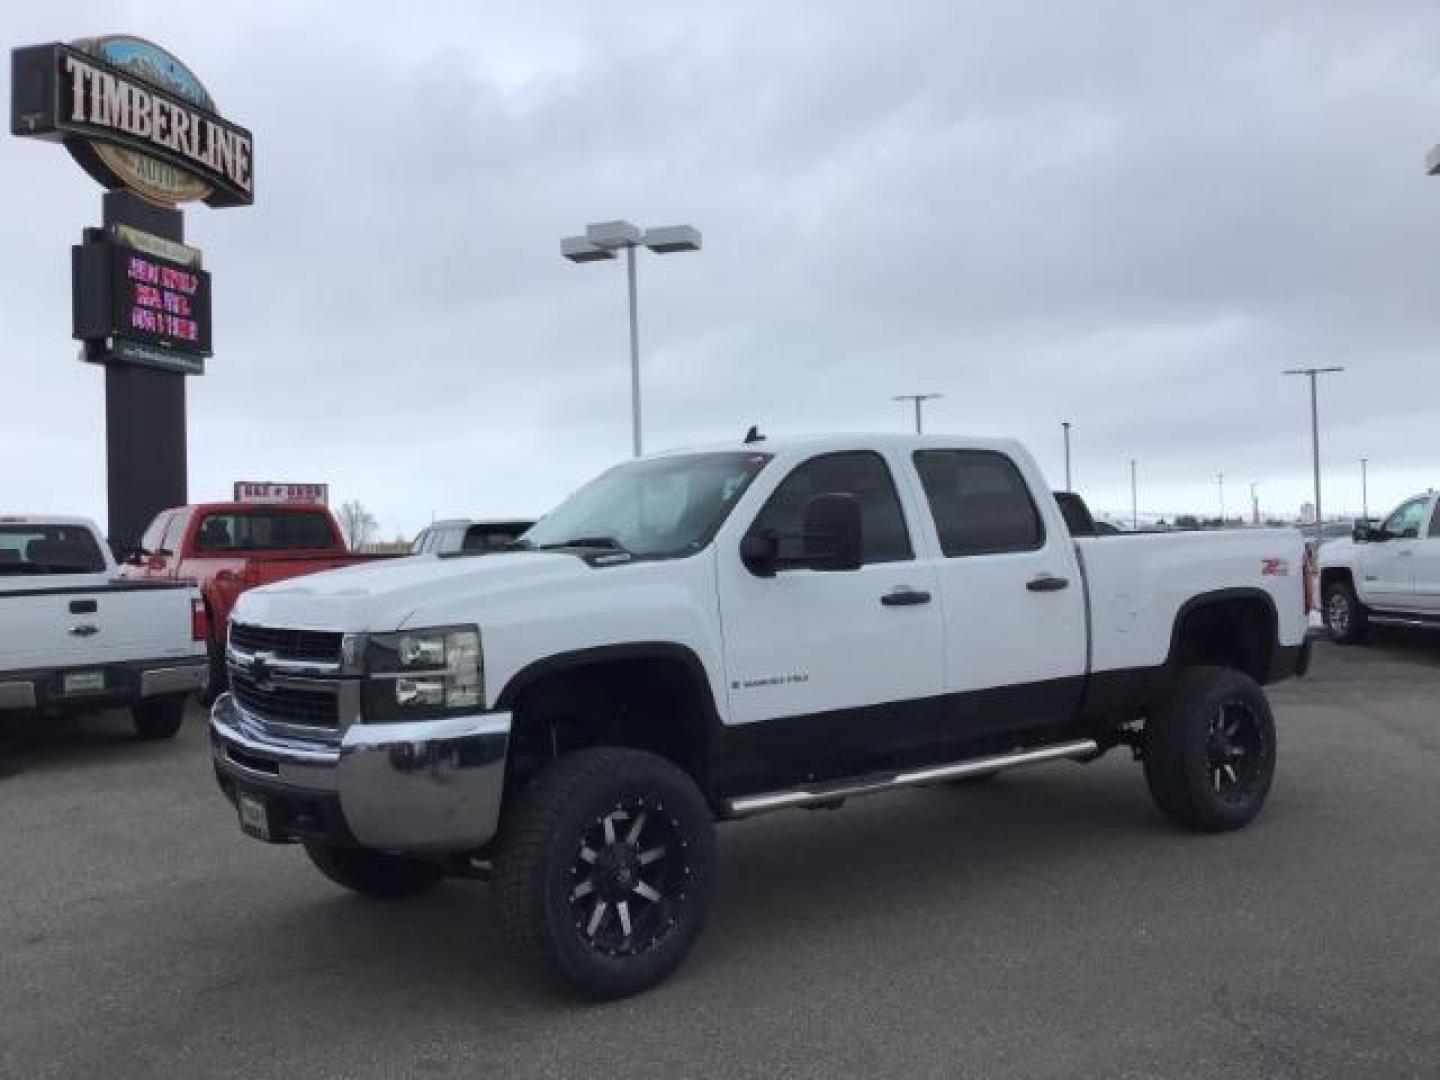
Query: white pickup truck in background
<point x="1386" y="574"/>
<point x="711" y="634"/>
<point x="75" y="637"/>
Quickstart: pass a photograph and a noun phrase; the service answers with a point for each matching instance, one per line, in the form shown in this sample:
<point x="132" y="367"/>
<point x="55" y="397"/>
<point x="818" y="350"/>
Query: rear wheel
<point x="1345" y="616"/>
<point x="159" y="718"/>
<point x="374" y="873"/>
<point x="605" y="871"/>
<point x="1209" y="752"/>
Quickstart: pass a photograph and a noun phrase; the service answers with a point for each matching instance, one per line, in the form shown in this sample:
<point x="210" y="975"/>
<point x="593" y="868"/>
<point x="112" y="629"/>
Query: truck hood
<point x="386" y="595"/>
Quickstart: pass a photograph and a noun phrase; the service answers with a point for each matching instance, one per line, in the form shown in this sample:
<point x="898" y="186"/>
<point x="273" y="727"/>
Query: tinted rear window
<point x="49" y="549"/>
<point x="263" y="530"/>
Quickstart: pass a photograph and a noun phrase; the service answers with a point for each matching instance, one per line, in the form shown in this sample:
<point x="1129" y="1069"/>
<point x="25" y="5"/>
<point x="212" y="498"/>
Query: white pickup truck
<point x="711" y="634"/>
<point x="1388" y="574"/>
<point x="75" y="637"/>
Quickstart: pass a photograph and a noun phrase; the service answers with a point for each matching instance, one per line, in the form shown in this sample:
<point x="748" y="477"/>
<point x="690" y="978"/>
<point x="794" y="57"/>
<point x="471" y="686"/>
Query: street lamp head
<point x="669" y="238"/>
<point x="613" y="234"/>
<point x="579" y="249"/>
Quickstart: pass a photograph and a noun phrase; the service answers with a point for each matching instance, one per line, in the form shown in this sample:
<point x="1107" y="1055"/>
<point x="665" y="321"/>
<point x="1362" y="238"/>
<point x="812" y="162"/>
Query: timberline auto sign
<point x="133" y="116"/>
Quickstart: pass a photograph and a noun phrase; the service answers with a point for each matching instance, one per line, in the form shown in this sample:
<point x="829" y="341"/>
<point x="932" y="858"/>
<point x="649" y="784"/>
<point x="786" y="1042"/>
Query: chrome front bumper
<point x="423" y="786"/>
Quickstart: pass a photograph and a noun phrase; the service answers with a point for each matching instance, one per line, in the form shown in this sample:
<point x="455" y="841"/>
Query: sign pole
<point x="145" y="442"/>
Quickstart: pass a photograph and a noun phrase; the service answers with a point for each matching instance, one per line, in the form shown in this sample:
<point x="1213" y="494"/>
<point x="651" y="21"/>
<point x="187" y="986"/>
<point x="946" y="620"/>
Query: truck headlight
<point x="416" y="673"/>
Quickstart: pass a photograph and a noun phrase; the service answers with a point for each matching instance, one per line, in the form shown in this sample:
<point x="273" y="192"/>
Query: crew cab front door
<point x="829" y="672"/>
<point x="1389" y="564"/>
<point x="1427" y="564"/>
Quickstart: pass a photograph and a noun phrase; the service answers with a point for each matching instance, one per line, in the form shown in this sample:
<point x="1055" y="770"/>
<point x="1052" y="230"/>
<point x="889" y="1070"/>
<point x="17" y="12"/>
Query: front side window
<point x="661" y="507"/>
<point x="174" y="530"/>
<point x="1407" y="518"/>
<point x="981" y="503"/>
<point x="863" y="474"/>
<point x="155" y="534"/>
<point x="263" y="530"/>
<point x="1435" y="520"/>
<point x="49" y="549"/>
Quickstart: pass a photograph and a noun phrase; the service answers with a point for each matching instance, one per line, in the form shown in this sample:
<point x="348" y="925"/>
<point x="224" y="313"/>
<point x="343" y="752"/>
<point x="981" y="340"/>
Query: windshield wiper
<point x="607" y="542"/>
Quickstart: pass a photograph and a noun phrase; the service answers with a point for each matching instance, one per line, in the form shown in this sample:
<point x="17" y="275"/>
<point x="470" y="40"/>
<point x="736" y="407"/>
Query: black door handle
<point x="1047" y="583"/>
<point x="83" y="607"/>
<point x="905" y="597"/>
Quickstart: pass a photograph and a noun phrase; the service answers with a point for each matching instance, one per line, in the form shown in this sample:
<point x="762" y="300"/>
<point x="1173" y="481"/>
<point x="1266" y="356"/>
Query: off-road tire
<point x="1345" y="617"/>
<point x="375" y="874"/>
<point x="1187" y="752"/>
<point x="158" y="718"/>
<point x="571" y="831"/>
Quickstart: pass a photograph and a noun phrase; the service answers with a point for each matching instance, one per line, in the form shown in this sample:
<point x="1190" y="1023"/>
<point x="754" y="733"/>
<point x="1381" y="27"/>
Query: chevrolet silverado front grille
<point x="319" y="645"/>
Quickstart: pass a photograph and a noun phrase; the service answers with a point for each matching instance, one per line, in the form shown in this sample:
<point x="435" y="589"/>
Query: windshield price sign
<point x="267" y="491"/>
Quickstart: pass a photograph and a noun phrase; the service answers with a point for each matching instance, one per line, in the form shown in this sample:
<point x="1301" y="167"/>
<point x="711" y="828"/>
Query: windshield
<point x="49" y="549"/>
<point x="664" y="506"/>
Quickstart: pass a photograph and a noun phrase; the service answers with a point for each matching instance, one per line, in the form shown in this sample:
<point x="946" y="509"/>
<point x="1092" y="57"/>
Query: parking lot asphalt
<point x="1047" y="925"/>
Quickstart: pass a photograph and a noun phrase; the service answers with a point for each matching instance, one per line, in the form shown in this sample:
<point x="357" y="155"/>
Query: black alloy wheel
<point x="630" y="874"/>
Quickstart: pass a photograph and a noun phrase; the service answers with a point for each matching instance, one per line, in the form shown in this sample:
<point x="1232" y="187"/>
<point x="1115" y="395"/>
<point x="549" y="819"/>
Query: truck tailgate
<point x="91" y="619"/>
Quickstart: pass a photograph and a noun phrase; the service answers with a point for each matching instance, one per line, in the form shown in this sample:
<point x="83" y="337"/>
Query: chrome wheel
<point x="1236" y="750"/>
<point x="629" y="879"/>
<point x="1337" y="613"/>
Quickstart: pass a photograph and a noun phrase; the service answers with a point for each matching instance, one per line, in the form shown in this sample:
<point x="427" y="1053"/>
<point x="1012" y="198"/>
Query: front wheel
<point x="1344" y="615"/>
<point x="159" y="718"/>
<point x="1209" y="752"/>
<point x="605" y="871"/>
<point x="374" y="873"/>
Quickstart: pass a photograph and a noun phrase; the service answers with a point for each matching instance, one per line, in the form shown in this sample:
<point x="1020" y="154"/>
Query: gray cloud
<point x="1122" y="214"/>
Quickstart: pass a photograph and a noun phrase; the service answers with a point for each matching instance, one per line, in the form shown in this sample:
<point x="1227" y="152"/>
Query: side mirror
<point x="760" y="552"/>
<point x="833" y="533"/>
<point x="1411" y="533"/>
<point x="1361" y="534"/>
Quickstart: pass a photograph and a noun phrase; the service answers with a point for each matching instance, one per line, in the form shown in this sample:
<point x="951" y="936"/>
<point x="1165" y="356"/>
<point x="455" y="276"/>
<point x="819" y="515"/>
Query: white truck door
<point x="1427" y="564"/>
<point x="1389" y="565"/>
<point x="1010" y="583"/>
<point x="806" y="643"/>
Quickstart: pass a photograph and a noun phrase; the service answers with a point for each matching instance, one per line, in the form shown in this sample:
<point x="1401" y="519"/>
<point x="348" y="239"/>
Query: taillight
<point x="199" y="621"/>
<point x="1307" y="575"/>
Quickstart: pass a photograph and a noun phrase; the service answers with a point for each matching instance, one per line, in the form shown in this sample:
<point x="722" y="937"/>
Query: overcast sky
<point x="1126" y="215"/>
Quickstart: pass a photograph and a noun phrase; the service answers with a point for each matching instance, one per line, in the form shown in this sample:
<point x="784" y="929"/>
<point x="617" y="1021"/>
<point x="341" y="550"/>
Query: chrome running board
<point x="819" y="794"/>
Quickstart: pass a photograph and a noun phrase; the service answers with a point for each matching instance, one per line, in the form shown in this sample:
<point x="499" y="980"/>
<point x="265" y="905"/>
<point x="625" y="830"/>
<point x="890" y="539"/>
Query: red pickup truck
<point x="226" y="548"/>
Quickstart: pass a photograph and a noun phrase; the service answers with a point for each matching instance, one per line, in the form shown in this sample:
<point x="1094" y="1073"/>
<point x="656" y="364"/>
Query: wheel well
<point x="655" y="703"/>
<point x="1334" y="574"/>
<point x="1237" y="632"/>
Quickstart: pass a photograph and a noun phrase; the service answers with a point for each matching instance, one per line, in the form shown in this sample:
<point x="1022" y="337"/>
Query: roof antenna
<point x="753" y="435"/>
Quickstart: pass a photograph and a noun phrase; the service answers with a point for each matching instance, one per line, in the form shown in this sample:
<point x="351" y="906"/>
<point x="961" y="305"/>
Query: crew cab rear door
<point x="1010" y="587"/>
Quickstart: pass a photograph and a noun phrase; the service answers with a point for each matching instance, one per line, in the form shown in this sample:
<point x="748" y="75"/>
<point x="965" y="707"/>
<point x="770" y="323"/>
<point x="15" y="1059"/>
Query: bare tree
<point x="356" y="523"/>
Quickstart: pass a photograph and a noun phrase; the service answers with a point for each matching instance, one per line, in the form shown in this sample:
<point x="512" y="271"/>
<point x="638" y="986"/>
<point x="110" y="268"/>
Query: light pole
<point x="1312" y="372"/>
<point x="1066" y="425"/>
<point x="601" y="241"/>
<point x="1134" y="502"/>
<point x="1254" y="503"/>
<point x="1220" y="479"/>
<point x="1364" y="491"/>
<point x="919" y="400"/>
